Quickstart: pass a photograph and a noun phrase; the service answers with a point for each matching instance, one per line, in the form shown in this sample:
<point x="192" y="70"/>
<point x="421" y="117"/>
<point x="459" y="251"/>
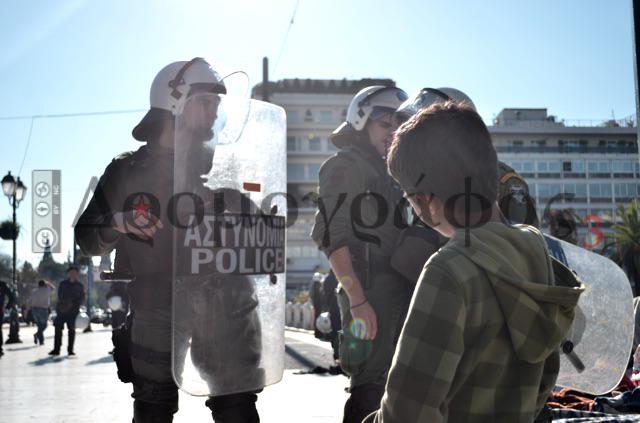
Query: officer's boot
<point x="364" y="400"/>
<point x="147" y="412"/>
<point x="234" y="408"/>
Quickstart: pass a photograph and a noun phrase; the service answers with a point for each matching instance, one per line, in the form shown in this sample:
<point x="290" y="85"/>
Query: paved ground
<point x="37" y="388"/>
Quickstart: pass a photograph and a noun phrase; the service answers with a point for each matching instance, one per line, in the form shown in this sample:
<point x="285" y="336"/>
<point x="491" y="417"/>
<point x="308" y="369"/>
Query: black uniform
<point x="70" y="298"/>
<point x="230" y="313"/>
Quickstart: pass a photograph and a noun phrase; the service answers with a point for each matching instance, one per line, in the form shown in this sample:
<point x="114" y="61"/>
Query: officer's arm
<point x="94" y="233"/>
<point x="340" y="183"/>
<point x="342" y="267"/>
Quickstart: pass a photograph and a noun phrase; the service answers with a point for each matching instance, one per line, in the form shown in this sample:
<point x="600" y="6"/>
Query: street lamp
<point x="15" y="190"/>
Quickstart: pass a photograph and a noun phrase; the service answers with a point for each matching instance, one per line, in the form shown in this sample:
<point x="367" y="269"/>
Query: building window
<point x="625" y="190"/>
<point x="547" y="191"/>
<point x="622" y="166"/>
<point x="295" y="172"/>
<point x="313" y="170"/>
<point x="577" y="166"/>
<point x="326" y="116"/>
<point x="600" y="191"/>
<point x="315" y="144"/>
<point x="578" y="190"/>
<point x="292" y="145"/>
<point x="600" y="166"/>
<point x="293" y="116"/>
<point x="528" y="166"/>
<point x="548" y="166"/>
<point x="523" y="166"/>
<point x="542" y="166"/>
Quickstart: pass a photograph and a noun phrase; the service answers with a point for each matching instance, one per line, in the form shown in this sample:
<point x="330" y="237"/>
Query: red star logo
<point x="141" y="208"/>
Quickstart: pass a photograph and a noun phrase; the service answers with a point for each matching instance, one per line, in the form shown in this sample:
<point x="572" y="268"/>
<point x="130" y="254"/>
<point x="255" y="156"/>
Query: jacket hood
<point x="537" y="294"/>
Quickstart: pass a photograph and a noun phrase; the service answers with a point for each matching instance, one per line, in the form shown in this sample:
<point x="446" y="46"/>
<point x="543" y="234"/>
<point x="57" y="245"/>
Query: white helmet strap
<point x="179" y="79"/>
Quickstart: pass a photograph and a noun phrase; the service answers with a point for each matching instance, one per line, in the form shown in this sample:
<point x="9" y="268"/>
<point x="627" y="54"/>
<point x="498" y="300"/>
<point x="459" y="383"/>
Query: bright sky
<point x="64" y="56"/>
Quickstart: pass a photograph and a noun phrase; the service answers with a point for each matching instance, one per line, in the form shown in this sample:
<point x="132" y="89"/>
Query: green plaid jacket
<point x="480" y="343"/>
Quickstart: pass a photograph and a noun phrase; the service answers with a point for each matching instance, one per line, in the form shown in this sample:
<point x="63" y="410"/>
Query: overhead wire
<point x="56" y="116"/>
<point x="286" y="36"/>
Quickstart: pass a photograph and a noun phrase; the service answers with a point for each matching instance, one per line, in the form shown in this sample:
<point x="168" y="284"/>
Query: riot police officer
<point x="126" y="214"/>
<point x="357" y="225"/>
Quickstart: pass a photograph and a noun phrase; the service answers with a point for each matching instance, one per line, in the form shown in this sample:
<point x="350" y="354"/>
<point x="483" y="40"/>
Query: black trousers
<point x="155" y="393"/>
<point x="70" y="320"/>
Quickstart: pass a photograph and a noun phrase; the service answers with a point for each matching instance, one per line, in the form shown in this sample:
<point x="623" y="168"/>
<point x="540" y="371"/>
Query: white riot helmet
<point x="317" y="277"/>
<point x="170" y="89"/>
<point x="427" y="97"/>
<point x="368" y="103"/>
<point x="323" y="322"/>
<point x="82" y="320"/>
<point x="115" y="303"/>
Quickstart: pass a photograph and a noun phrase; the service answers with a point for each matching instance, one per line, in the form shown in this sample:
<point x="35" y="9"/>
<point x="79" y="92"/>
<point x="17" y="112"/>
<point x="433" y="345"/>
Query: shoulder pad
<point x="124" y="156"/>
<point x="341" y="158"/>
<point x="348" y="153"/>
<point x="128" y="157"/>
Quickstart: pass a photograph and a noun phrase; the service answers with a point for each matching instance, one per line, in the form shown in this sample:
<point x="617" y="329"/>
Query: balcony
<point x="567" y="149"/>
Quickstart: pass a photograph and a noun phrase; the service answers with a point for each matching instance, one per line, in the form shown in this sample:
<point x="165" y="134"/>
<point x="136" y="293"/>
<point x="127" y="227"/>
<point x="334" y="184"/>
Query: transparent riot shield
<point x="597" y="349"/>
<point x="228" y="211"/>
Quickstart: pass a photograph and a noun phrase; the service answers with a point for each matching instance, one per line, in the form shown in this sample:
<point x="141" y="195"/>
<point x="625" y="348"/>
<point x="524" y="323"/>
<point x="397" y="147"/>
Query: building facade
<point x="596" y="162"/>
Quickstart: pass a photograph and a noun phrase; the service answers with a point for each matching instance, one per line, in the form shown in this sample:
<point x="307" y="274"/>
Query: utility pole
<point x="265" y="79"/>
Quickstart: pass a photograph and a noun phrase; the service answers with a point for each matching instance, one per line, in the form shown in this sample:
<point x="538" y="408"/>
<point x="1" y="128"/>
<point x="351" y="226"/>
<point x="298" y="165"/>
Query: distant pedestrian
<point x="5" y="292"/>
<point x="40" y="303"/>
<point x="70" y="297"/>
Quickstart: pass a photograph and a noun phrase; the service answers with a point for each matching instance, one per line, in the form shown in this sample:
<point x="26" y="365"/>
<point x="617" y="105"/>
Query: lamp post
<point x="15" y="190"/>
